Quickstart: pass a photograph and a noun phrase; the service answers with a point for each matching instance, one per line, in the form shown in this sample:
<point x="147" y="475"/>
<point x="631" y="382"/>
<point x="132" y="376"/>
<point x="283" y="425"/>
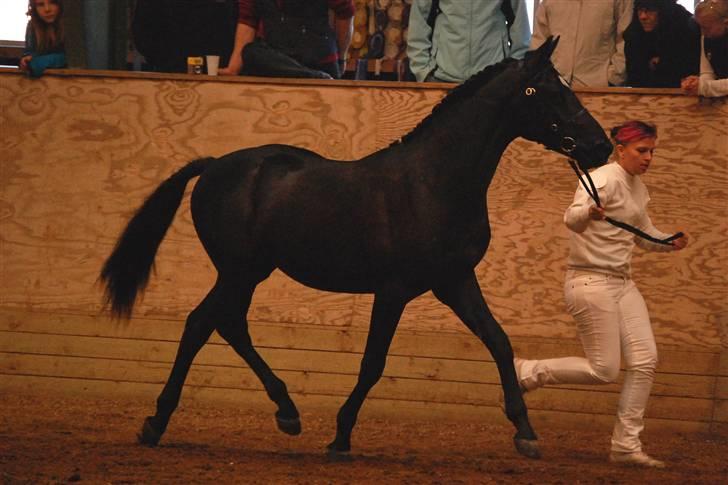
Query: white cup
<point x="212" y="64"/>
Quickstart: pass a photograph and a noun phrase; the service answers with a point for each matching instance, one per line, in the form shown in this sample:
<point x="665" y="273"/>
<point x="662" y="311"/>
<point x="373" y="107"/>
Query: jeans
<point x="612" y="319"/>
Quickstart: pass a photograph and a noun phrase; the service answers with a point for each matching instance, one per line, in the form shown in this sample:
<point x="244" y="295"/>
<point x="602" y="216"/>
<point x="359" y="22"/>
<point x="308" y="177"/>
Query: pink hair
<point x="631" y="131"/>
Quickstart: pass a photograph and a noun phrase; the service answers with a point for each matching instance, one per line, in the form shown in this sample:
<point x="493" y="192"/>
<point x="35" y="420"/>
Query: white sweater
<point x="709" y="85"/>
<point x="598" y="245"/>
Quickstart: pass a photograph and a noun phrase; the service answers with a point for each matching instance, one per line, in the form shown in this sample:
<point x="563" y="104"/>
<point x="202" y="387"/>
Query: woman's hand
<point x="680" y="242"/>
<point x="596" y="213"/>
<point x="24" y="61"/>
<point x="690" y="84"/>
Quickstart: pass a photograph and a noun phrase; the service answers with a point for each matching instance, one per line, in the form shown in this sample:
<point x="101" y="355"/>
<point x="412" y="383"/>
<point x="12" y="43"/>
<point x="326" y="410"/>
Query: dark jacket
<point x="298" y="28"/>
<point x="675" y="42"/>
<point x="716" y="51"/>
<point x="166" y="32"/>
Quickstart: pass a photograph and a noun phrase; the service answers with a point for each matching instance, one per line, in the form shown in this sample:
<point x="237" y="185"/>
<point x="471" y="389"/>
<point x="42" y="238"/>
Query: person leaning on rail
<point x="712" y="16"/>
<point x="661" y="45"/>
<point x="611" y="315"/>
<point x="44" y="37"/>
<point x="591" y="43"/>
<point x="292" y="38"/>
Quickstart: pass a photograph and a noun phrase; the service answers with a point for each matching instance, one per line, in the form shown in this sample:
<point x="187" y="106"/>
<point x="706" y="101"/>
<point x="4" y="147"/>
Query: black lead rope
<point x="595" y="197"/>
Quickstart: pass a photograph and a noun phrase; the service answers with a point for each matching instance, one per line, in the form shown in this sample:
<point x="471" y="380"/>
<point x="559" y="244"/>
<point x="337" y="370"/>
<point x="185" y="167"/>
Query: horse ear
<point x="537" y="60"/>
<point x="549" y="46"/>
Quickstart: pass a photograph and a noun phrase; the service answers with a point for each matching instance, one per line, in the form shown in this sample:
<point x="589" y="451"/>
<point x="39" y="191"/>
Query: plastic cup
<point x="212" y="64"/>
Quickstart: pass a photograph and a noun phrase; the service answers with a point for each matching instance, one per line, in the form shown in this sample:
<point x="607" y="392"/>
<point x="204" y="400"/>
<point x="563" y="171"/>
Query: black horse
<point x="397" y="223"/>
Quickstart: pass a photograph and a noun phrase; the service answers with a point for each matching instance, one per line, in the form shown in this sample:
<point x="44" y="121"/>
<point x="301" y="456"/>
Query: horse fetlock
<point x="150" y="433"/>
<point x="340" y="445"/>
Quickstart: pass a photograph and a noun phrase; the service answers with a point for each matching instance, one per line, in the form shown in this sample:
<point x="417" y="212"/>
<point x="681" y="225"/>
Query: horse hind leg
<point x="232" y="325"/>
<point x="198" y="328"/>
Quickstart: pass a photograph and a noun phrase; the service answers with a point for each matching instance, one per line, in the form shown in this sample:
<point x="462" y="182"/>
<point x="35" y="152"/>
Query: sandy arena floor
<point x="62" y="440"/>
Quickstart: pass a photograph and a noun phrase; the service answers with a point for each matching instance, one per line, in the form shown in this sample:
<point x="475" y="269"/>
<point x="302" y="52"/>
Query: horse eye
<point x="554" y="127"/>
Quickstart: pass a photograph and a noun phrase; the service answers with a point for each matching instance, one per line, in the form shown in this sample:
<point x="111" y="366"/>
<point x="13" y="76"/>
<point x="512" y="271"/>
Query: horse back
<point x="342" y="226"/>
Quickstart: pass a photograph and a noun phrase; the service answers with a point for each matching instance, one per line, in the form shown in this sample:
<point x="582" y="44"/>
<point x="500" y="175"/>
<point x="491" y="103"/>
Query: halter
<point x="568" y="144"/>
<point x="595" y="197"/>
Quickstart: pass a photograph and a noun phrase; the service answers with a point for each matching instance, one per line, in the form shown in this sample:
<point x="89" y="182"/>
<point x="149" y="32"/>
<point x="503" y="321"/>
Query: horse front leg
<point x="386" y="313"/>
<point x="464" y="297"/>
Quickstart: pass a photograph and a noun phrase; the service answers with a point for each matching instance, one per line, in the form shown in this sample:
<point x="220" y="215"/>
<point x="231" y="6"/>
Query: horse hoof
<point x="528" y="448"/>
<point x="289" y="426"/>
<point x="338" y="453"/>
<point x="149" y="436"/>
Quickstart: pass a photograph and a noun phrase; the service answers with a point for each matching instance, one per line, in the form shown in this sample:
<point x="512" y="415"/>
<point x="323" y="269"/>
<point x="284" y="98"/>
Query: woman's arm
<point x="647" y="226"/>
<point x="708" y="85"/>
<point x="244" y="35"/>
<point x="582" y="211"/>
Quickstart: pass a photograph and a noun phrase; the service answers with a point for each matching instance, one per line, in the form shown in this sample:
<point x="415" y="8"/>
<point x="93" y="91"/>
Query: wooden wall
<point x="81" y="150"/>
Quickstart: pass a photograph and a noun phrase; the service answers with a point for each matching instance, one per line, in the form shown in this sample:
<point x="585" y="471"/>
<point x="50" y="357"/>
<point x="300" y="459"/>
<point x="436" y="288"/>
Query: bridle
<point x="568" y="145"/>
<point x="622" y="225"/>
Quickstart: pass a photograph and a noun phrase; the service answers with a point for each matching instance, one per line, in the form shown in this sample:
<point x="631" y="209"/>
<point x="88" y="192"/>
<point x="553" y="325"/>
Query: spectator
<point x="44" y="38"/>
<point x="591" y="46"/>
<point x="167" y="32"/>
<point x="610" y="313"/>
<point x="464" y="38"/>
<point x="712" y="16"/>
<point x="294" y="38"/>
<point x="661" y="45"/>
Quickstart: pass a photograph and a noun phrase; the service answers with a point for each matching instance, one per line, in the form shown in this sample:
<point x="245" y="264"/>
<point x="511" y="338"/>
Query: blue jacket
<point x="468" y="36"/>
<point x="40" y="62"/>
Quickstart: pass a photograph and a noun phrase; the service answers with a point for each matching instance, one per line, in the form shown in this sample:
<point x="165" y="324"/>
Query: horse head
<point x="548" y="112"/>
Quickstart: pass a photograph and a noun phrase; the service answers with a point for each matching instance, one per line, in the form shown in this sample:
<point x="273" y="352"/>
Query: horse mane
<point x="461" y="91"/>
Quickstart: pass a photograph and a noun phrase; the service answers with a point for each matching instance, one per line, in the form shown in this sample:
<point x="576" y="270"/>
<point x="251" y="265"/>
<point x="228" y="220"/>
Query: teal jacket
<point x="40" y="62"/>
<point x="468" y="36"/>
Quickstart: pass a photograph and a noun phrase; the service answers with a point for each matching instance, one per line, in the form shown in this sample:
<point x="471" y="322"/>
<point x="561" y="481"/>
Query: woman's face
<point x="648" y="19"/>
<point x="711" y="26"/>
<point x="635" y="157"/>
<point x="47" y="10"/>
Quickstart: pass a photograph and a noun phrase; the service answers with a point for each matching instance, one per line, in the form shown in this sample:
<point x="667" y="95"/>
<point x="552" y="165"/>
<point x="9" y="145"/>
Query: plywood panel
<point x="241" y="400"/>
<point x="117" y="139"/>
<point x="344" y="339"/>
<point x="316" y="383"/>
<point x="330" y="372"/>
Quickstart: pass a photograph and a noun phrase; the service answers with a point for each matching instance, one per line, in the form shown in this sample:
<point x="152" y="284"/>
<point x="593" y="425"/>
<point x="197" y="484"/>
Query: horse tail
<point x="126" y="272"/>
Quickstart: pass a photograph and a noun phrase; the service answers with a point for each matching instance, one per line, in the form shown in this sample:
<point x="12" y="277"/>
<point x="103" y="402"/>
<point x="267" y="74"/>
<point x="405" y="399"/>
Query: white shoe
<point x="635" y="458"/>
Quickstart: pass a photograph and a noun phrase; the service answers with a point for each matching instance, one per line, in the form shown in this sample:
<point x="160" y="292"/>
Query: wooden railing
<point x="82" y="149"/>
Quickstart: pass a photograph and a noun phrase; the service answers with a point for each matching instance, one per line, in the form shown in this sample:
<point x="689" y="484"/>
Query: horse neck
<point x="464" y="142"/>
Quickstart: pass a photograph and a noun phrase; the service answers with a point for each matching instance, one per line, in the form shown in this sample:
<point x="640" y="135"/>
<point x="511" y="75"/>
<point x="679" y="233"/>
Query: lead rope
<point x="622" y="225"/>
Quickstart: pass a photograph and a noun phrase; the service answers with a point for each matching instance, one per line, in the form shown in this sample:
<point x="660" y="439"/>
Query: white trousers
<point x="612" y="319"/>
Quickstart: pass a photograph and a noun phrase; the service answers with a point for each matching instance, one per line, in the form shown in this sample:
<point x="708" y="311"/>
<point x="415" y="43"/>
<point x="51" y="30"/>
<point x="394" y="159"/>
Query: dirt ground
<point x="60" y="440"/>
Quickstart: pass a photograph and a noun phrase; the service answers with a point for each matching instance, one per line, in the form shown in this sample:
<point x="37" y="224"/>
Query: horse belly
<point x="329" y="278"/>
